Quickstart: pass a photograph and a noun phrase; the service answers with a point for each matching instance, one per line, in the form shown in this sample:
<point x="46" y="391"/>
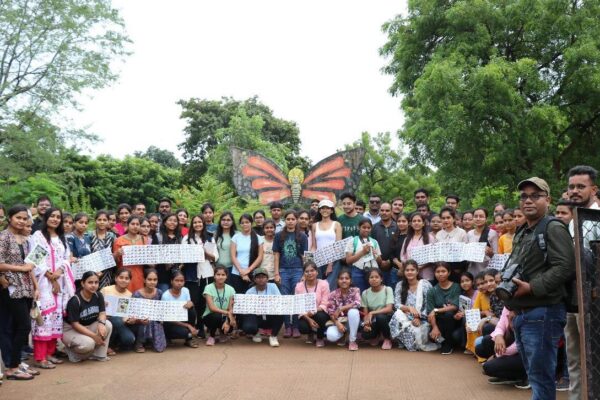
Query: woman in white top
<point x="450" y="233"/>
<point x="326" y="230"/>
<point x="482" y="233"/>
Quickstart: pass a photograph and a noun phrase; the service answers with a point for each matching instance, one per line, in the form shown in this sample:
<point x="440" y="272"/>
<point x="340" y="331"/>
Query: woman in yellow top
<point x="510" y="226"/>
<point x="482" y="303"/>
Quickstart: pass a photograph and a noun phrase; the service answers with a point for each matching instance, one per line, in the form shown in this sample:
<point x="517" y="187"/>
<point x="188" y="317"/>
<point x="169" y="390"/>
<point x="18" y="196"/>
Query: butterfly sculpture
<point x="256" y="176"/>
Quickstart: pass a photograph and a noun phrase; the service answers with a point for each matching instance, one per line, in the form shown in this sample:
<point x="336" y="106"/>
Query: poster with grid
<point x="95" y="262"/>
<point x="163" y="254"/>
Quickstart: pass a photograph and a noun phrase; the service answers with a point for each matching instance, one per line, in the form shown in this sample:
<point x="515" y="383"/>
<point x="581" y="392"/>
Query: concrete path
<point x="241" y="369"/>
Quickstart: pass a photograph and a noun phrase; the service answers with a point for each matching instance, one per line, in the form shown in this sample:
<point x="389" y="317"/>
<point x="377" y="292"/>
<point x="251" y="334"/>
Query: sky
<point x="312" y="62"/>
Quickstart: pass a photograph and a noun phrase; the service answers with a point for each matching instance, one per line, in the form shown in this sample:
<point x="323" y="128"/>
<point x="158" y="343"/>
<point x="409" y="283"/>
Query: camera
<point x="507" y="288"/>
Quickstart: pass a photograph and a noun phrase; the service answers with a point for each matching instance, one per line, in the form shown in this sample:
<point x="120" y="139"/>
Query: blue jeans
<point x="332" y="277"/>
<point x="390" y="278"/>
<point x="121" y="332"/>
<point x="163" y="287"/>
<point x="289" y="278"/>
<point x="537" y="333"/>
<point x="359" y="279"/>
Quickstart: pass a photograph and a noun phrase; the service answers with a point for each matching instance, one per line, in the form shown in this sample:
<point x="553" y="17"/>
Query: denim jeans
<point x="537" y="332"/>
<point x="390" y="277"/>
<point x="122" y="334"/>
<point x="332" y="277"/>
<point x="359" y="279"/>
<point x="289" y="278"/>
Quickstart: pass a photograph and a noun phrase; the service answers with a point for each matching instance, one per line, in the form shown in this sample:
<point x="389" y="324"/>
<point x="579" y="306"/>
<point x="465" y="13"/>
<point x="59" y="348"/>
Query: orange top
<point x="137" y="271"/>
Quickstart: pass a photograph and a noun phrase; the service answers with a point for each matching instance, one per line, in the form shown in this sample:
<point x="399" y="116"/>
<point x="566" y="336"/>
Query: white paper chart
<point x="498" y="261"/>
<point x="37" y="256"/>
<point x="162" y="254"/>
<point x="448" y="252"/>
<point x="152" y="310"/>
<point x="331" y="252"/>
<point x="464" y="303"/>
<point x="473" y="317"/>
<point x="274" y="305"/>
<point x="96" y="262"/>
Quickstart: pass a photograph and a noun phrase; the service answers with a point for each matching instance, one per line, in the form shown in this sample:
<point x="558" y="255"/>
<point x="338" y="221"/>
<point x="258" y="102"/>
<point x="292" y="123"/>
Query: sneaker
<point x="501" y="381"/>
<point x="257" y="338"/>
<point x="353" y="346"/>
<point x="210" y="341"/>
<point x="73" y="357"/>
<point x="287" y="332"/>
<point x="524" y="384"/>
<point x="447" y="350"/>
<point x="295" y="333"/>
<point x="273" y="342"/>
<point x="562" y="385"/>
<point x="320" y="343"/>
<point x="310" y="338"/>
<point x="387" y="344"/>
<point x="101" y="359"/>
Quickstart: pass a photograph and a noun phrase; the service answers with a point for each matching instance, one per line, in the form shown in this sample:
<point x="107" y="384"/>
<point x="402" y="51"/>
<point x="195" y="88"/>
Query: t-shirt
<point x="349" y="225"/>
<point x="220" y="297"/>
<point x="223" y="246"/>
<point x="369" y="260"/>
<point x="85" y="312"/>
<point x="271" y="290"/>
<point x="183" y="296"/>
<point x="243" y="243"/>
<point x="112" y="291"/>
<point x="268" y="261"/>
<point x="438" y="297"/>
<point x="290" y="254"/>
<point x="377" y="300"/>
<point x="505" y="244"/>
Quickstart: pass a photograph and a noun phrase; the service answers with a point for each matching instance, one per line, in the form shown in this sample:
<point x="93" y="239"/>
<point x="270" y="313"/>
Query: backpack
<point x="541" y="234"/>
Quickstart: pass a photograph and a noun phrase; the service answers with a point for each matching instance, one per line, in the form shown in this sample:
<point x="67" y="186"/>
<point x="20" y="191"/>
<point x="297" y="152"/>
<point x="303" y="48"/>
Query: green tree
<point x="387" y="173"/>
<point x="109" y="181"/>
<point x="495" y="91"/>
<point x="206" y="117"/>
<point x="26" y="191"/>
<point x="163" y="157"/>
<point x="50" y="51"/>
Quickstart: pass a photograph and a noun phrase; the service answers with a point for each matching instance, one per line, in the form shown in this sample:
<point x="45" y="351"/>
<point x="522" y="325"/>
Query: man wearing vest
<point x="544" y="250"/>
<point x="581" y="190"/>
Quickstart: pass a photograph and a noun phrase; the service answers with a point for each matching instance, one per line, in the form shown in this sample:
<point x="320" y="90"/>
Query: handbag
<point x="36" y="314"/>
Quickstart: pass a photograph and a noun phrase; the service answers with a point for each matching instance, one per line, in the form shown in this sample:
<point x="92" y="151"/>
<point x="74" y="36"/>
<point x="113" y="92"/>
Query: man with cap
<point x="251" y="323"/>
<point x="544" y="251"/>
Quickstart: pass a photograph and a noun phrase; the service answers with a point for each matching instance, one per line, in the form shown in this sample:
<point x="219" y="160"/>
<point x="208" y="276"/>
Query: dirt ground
<point x="241" y="369"/>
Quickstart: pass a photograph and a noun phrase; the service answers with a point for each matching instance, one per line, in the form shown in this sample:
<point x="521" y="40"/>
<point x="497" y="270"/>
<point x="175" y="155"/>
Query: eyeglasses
<point x="532" y="196"/>
<point x="578" y="187"/>
<point x="375" y="201"/>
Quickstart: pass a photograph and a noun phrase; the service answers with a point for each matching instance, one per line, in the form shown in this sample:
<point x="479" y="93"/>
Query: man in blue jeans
<point x="547" y="259"/>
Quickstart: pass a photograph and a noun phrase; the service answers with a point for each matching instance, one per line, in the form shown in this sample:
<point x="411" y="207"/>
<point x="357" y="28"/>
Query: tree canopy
<point x="497" y="90"/>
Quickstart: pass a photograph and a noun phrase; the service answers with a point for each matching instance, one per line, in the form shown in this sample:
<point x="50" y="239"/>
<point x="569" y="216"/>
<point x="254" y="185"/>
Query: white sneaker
<point x="273" y="342"/>
<point x="257" y="338"/>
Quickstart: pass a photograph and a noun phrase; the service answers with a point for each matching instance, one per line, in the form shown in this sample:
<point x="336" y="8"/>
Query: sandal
<point x="140" y="349"/>
<point x="111" y="352"/>
<point x="25" y="368"/>
<point x="45" y="365"/>
<point x="19" y="376"/>
<point x="54" y="360"/>
<point x="191" y="343"/>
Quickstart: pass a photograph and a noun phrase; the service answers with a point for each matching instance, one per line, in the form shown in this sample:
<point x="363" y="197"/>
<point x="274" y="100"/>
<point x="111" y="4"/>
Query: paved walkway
<point x="245" y="370"/>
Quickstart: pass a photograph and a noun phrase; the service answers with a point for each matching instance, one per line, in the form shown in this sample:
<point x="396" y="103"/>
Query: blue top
<point x="80" y="247"/>
<point x="184" y="296"/>
<point x="242" y="243"/>
<point x="290" y="254"/>
<point x="271" y="289"/>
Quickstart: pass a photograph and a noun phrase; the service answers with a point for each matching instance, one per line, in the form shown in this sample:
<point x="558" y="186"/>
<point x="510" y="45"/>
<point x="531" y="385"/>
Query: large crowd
<point x="375" y="296"/>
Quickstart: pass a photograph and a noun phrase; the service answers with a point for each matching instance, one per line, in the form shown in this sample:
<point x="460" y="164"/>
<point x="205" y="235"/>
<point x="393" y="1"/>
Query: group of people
<point x="376" y="294"/>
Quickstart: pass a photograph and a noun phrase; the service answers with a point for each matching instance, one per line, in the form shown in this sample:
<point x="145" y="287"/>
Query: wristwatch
<point x="435" y="310"/>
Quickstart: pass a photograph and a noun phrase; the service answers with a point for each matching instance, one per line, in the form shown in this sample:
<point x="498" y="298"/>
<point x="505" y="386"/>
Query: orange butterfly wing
<point x="332" y="176"/>
<point x="256" y="176"/>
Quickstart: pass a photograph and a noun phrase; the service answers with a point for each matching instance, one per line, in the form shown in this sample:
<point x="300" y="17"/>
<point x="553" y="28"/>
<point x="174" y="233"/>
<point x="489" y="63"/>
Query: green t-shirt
<point x="349" y="225"/>
<point x="438" y="297"/>
<point x="223" y="247"/>
<point x="220" y="298"/>
<point x="377" y="300"/>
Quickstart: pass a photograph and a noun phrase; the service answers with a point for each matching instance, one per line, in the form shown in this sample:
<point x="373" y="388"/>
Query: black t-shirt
<point x="85" y="312"/>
